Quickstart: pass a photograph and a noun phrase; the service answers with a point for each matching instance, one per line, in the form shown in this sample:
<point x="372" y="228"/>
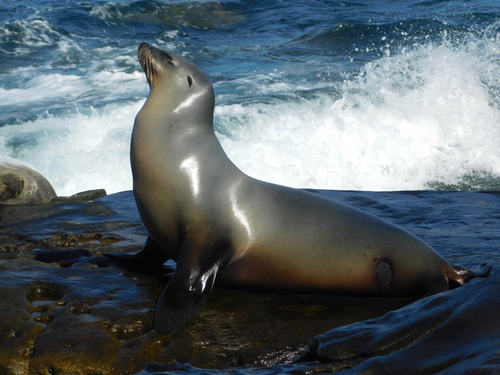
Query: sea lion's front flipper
<point x="148" y="260"/>
<point x="185" y="294"/>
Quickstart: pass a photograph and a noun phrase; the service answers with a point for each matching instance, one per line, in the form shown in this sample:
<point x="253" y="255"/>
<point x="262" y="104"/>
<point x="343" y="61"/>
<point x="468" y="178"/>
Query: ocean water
<point x="354" y="95"/>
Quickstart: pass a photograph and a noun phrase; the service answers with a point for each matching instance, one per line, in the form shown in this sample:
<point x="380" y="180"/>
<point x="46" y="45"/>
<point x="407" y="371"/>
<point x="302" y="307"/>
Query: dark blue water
<point x="363" y="95"/>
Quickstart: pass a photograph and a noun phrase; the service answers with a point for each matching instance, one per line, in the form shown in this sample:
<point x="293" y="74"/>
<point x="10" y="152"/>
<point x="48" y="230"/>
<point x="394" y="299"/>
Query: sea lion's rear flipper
<point x="185" y="294"/>
<point x="460" y="275"/>
<point x="148" y="260"/>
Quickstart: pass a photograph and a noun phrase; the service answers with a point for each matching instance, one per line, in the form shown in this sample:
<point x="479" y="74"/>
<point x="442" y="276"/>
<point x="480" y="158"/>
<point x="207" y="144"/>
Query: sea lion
<point x="223" y="226"/>
<point x="23" y="185"/>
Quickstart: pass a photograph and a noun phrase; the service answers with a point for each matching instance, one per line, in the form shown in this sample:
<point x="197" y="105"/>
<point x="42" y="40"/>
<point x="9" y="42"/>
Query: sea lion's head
<point x="178" y="87"/>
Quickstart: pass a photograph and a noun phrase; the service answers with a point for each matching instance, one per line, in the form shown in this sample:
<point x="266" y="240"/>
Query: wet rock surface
<point x="457" y="331"/>
<point x="64" y="311"/>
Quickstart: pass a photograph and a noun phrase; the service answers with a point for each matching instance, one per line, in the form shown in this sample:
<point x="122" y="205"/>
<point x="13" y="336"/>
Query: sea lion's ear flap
<point x="183" y="296"/>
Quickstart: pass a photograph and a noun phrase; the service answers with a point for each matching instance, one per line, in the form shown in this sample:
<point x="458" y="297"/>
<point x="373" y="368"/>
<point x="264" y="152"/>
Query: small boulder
<point x="20" y="185"/>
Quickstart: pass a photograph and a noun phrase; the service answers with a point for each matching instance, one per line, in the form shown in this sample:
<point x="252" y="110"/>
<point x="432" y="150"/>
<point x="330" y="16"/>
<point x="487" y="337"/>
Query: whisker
<point x="146" y="60"/>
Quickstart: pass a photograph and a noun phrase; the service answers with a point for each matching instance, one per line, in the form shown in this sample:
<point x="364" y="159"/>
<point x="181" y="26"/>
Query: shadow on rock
<point x="62" y="258"/>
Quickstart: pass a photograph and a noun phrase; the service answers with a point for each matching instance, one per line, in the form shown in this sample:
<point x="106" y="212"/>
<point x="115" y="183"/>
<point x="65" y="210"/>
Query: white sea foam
<point x="426" y="114"/>
<point x="45" y="88"/>
<point x="29" y="33"/>
<point x="69" y="87"/>
<point x="77" y="152"/>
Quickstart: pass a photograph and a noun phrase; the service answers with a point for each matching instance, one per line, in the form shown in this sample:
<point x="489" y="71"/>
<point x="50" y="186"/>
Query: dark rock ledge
<point x="62" y="314"/>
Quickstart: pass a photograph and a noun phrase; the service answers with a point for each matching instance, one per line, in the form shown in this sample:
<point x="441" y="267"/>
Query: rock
<point x="83" y="196"/>
<point x="23" y="185"/>
<point x="69" y="320"/>
<point x="457" y="331"/>
<point x="60" y="313"/>
<point x="20" y="185"/>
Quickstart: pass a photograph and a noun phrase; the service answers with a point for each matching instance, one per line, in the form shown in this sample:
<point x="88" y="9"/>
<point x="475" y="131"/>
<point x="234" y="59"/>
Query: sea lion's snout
<point x="153" y="60"/>
<point x="147" y="61"/>
<point x="143" y="45"/>
<point x="144" y="53"/>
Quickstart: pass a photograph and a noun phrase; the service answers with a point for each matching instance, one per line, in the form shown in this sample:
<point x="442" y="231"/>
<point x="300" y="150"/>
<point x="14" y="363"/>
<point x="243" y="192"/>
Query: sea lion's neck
<point x="171" y="143"/>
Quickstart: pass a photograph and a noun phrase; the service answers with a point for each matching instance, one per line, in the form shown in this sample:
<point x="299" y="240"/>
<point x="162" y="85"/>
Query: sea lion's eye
<point x="190" y="81"/>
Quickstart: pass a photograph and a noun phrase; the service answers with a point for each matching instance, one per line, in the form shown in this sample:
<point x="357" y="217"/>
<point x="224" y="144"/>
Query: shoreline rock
<point x="61" y="313"/>
<point x="20" y="185"/>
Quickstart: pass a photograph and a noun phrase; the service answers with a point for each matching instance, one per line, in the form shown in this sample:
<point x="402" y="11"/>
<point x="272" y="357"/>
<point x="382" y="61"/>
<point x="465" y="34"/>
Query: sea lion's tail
<point x="460" y="275"/>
